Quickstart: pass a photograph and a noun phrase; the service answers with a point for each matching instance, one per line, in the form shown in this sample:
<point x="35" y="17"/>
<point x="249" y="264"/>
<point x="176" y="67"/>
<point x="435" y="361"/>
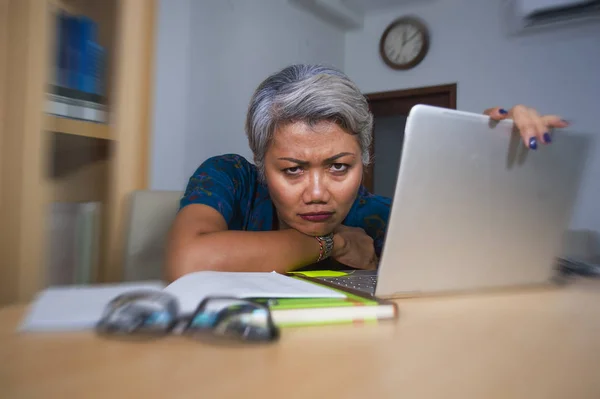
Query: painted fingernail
<point x="503" y="111"/>
<point x="533" y="143"/>
<point x="547" y="138"/>
<point x="565" y="121"/>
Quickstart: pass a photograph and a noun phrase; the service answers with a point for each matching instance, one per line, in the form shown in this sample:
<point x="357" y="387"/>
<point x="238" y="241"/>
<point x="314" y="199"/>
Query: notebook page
<point x="192" y="288"/>
<point x="76" y="307"/>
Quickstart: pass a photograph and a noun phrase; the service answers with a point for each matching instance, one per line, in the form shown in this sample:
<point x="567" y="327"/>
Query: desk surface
<point x="537" y="344"/>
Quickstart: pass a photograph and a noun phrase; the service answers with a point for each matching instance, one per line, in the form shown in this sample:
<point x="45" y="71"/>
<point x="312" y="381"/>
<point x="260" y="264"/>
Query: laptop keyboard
<point x="361" y="283"/>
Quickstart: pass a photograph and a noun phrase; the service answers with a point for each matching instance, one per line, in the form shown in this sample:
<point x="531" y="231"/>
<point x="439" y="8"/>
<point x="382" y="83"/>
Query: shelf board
<point x="77" y="127"/>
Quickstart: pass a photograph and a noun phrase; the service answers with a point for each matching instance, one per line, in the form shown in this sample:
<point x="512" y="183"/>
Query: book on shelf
<point x="73" y="241"/>
<point x="77" y="82"/>
<point x="69" y="103"/>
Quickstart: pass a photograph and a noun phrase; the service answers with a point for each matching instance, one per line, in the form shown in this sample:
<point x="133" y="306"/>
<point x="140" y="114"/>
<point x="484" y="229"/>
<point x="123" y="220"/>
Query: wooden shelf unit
<point x="28" y="136"/>
<point x="57" y="124"/>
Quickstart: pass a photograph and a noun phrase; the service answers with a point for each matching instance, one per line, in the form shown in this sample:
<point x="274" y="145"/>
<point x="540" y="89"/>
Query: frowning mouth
<point x="316" y="216"/>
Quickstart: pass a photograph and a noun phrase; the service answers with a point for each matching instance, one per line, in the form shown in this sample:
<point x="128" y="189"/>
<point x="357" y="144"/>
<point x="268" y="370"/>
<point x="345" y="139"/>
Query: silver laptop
<point x="473" y="208"/>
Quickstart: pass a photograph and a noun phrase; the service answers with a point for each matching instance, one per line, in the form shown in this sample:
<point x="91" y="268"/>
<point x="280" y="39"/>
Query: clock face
<point x="404" y="43"/>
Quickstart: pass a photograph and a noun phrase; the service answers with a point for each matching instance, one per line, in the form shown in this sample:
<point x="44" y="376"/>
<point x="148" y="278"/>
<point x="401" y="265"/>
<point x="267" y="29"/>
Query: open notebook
<point x="298" y="301"/>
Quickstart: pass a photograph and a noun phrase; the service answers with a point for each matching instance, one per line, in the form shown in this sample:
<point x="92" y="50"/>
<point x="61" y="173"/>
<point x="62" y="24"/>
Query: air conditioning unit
<point x="527" y="15"/>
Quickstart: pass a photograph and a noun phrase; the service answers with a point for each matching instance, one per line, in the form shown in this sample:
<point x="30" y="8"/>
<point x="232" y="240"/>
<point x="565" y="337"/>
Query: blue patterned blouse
<point x="230" y="184"/>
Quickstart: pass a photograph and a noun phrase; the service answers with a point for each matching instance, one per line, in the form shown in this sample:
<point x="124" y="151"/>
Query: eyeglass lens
<point x="233" y="318"/>
<point x="141" y="312"/>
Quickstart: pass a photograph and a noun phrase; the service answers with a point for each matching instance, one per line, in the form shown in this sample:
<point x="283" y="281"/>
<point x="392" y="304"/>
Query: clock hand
<point x="404" y="38"/>
<point x="399" y="57"/>
<point x="412" y="37"/>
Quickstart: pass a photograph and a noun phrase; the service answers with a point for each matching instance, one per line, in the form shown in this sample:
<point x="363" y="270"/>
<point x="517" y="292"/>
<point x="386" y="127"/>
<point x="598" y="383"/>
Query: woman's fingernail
<point x="547" y="137"/>
<point x="565" y="121"/>
<point x="503" y="111"/>
<point x="533" y="143"/>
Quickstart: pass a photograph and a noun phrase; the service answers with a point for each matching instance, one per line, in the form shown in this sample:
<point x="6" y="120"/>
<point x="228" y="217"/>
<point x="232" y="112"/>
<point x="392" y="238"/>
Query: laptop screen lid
<point x="474" y="208"/>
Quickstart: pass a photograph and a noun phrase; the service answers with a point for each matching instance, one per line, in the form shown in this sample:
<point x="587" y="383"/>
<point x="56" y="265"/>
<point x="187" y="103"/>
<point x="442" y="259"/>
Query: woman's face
<point x="313" y="174"/>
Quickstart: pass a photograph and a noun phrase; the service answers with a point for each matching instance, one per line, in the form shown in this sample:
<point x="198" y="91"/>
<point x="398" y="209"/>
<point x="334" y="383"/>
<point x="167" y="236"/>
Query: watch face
<point x="404" y="43"/>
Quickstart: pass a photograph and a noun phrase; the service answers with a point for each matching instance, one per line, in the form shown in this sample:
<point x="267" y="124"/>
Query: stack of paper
<point x="81" y="307"/>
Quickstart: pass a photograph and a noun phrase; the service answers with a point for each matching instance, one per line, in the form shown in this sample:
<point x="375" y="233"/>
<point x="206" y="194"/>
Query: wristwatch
<point x="325" y="246"/>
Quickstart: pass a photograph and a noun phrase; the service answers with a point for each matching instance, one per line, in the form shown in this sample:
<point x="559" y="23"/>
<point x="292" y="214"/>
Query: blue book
<point x="73" y="50"/>
<point x="87" y="43"/>
<point x="79" y="60"/>
<point x="94" y="73"/>
<point x="61" y="56"/>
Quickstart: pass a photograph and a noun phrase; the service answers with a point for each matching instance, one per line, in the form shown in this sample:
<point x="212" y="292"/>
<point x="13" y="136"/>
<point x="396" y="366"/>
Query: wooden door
<point x="399" y="102"/>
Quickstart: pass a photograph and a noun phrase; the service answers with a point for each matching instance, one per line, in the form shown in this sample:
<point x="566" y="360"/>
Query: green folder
<point x="356" y="308"/>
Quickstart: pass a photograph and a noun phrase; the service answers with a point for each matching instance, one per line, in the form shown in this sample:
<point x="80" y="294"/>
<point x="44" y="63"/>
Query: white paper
<point x="76" y="307"/>
<point x="192" y="288"/>
<point x="72" y="308"/>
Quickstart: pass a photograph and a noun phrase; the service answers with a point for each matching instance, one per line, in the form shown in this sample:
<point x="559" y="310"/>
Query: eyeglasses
<point x="151" y="314"/>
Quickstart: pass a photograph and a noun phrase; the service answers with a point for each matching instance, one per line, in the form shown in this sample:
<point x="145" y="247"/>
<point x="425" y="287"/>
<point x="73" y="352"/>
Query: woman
<point x="301" y="203"/>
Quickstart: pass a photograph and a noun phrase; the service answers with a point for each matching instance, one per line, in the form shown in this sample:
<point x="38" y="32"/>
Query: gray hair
<point x="308" y="93"/>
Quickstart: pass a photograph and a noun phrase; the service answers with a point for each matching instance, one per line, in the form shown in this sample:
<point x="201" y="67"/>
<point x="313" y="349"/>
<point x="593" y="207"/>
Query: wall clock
<point x="404" y="43"/>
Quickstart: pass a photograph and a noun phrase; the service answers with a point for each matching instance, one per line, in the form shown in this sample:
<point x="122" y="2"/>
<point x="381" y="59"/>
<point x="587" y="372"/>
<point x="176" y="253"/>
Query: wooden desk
<point x="543" y="344"/>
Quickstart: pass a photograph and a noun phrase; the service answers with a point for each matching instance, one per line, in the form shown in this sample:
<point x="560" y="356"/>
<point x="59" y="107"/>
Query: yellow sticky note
<point x="322" y="273"/>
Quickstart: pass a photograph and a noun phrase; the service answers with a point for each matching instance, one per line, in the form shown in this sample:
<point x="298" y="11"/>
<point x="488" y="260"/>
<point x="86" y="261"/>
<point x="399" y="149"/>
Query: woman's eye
<point x="339" y="167"/>
<point x="293" y="171"/>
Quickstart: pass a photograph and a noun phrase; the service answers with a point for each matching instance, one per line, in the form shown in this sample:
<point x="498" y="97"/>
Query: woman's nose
<point x="316" y="190"/>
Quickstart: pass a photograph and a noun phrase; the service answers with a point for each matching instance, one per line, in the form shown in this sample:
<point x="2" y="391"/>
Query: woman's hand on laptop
<point x="354" y="248"/>
<point x="534" y="128"/>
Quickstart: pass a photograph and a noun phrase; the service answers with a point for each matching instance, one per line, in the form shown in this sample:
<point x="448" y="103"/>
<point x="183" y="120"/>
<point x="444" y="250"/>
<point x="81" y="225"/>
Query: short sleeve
<point x="217" y="183"/>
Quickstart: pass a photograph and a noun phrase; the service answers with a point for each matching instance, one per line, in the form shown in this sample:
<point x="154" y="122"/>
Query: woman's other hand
<point x="354" y="248"/>
<point x="534" y="128"/>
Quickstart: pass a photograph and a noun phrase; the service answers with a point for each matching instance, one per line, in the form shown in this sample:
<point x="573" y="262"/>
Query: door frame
<point x="399" y="102"/>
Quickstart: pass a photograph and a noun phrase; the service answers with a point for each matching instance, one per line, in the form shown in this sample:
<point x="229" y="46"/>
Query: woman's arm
<point x="199" y="240"/>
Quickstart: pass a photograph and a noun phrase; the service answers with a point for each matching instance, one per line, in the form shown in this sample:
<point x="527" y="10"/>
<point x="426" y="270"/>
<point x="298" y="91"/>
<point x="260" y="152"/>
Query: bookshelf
<point x="57" y="124"/>
<point x="70" y="144"/>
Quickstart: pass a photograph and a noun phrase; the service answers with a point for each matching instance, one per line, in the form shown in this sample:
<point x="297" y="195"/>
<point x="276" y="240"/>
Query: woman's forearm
<point x="280" y="251"/>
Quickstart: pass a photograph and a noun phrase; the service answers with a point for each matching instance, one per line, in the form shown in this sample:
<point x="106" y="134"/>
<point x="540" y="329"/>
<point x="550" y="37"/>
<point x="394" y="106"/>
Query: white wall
<point x="171" y="102"/>
<point x="210" y="57"/>
<point x="235" y="45"/>
<point x="554" y="71"/>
